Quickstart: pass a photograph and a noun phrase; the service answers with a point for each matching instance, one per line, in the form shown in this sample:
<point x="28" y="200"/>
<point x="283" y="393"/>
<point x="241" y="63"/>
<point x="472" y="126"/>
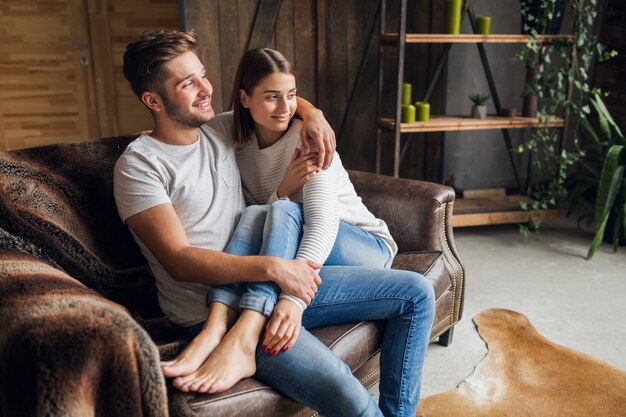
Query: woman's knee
<point x="420" y="289"/>
<point x="285" y="207"/>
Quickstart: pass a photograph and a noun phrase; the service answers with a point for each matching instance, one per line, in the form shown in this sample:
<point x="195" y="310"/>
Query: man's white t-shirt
<point x="202" y="183"/>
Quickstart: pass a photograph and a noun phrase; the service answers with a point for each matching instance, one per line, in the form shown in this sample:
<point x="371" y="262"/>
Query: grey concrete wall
<point x="479" y="159"/>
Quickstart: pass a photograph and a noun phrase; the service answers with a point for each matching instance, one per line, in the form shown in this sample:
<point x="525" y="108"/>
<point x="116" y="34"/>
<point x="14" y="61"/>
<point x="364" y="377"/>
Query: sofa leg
<point x="446" y="338"/>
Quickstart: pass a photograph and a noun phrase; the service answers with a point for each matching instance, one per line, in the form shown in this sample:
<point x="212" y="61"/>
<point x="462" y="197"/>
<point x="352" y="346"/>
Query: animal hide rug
<point x="524" y="374"/>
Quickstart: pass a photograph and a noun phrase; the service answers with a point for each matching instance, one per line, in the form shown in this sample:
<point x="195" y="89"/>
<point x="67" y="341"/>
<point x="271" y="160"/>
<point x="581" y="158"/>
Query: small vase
<point x="530" y="106"/>
<point x="479" y="112"/>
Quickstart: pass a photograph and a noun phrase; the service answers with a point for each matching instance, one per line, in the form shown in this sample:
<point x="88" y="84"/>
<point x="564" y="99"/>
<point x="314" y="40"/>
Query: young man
<point x="178" y="189"/>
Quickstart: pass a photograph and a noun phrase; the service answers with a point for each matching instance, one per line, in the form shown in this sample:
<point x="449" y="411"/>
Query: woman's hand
<point x="301" y="169"/>
<point x="283" y="327"/>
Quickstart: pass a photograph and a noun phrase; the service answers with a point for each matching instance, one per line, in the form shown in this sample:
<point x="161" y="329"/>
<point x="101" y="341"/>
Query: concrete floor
<point x="571" y="301"/>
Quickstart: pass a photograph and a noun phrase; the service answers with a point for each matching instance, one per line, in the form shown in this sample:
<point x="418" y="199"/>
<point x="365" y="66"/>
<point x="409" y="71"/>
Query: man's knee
<point x="255" y="210"/>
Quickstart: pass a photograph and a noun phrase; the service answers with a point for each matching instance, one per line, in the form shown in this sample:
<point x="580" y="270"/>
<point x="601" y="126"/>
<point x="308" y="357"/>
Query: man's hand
<point x="315" y="127"/>
<point x="296" y="277"/>
<point x="283" y="327"/>
<point x="301" y="169"/>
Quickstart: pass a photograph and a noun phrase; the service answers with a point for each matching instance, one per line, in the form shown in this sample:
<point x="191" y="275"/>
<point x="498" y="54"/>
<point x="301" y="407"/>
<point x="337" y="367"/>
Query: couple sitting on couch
<point x="324" y="260"/>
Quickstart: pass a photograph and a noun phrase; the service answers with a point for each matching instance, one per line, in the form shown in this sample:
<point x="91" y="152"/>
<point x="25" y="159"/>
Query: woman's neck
<point x="267" y="138"/>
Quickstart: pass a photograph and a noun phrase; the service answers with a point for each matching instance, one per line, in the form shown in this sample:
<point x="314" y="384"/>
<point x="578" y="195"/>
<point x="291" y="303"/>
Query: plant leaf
<point x="604" y="122"/>
<point x="597" y="239"/>
<point x="607" y="115"/>
<point x="609" y="182"/>
<point x="585" y="123"/>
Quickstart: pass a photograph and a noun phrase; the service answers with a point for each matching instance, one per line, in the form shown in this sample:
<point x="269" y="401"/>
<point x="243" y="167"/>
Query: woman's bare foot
<point x="232" y="360"/>
<point x="219" y="320"/>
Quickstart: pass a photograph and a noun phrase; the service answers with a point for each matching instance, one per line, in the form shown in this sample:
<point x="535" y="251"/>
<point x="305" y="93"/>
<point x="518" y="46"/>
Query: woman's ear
<point x="152" y="101"/>
<point x="243" y="98"/>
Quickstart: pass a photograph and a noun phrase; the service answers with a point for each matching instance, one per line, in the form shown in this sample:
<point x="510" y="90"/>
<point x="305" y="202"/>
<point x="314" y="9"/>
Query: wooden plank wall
<point x="47" y="94"/>
<point x="334" y="48"/>
<point x="127" y="20"/>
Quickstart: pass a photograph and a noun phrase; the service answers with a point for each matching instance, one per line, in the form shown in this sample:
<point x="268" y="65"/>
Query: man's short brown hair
<point x="145" y="59"/>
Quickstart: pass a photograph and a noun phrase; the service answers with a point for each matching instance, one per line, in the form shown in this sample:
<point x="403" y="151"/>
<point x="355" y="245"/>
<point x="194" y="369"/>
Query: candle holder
<point x="408" y="113"/>
<point x="454" y="9"/>
<point x="406" y="94"/>
<point x="423" y="111"/>
<point x="483" y="25"/>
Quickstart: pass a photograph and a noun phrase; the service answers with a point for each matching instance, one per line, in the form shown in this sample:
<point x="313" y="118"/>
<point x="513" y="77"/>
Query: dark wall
<point x="335" y="50"/>
<point x="610" y="75"/>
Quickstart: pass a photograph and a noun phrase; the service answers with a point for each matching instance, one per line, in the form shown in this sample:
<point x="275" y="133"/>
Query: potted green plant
<point x="479" y="109"/>
<point x="594" y="153"/>
<point x="603" y="192"/>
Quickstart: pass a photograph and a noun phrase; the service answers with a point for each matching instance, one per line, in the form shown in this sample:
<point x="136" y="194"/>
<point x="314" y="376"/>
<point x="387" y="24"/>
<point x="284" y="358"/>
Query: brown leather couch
<point x="81" y="331"/>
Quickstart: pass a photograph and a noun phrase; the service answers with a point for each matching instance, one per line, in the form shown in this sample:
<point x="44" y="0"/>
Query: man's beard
<point x="183" y="119"/>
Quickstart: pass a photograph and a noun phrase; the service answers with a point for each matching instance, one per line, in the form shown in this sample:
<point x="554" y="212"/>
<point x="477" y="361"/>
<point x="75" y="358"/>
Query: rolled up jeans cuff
<point x="222" y="296"/>
<point x="260" y="303"/>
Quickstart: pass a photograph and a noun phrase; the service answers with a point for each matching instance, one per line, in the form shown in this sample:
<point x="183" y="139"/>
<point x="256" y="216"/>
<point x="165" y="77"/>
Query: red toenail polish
<point x="274" y="352"/>
<point x="286" y="348"/>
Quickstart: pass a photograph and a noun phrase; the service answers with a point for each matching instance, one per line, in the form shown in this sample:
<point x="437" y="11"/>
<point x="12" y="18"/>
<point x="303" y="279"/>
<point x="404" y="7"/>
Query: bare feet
<point x="232" y="360"/>
<point x="218" y="322"/>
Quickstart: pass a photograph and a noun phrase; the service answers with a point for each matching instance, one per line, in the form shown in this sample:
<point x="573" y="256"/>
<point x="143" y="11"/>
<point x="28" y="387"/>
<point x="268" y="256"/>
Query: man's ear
<point x="243" y="98"/>
<point x="152" y="101"/>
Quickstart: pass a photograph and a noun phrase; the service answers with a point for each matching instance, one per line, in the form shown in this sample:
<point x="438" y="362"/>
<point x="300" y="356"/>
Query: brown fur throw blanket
<point x="73" y="289"/>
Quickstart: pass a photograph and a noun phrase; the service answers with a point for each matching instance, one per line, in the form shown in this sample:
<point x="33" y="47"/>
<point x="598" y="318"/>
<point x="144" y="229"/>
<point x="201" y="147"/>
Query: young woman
<point x="334" y="226"/>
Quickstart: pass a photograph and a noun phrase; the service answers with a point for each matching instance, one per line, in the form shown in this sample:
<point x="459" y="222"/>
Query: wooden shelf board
<point x="470" y="38"/>
<point x="459" y="123"/>
<point x="496" y="210"/>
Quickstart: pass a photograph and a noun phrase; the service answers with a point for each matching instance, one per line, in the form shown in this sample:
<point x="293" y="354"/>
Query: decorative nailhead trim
<point x="461" y="276"/>
<point x="441" y="322"/>
<point x="374" y="372"/>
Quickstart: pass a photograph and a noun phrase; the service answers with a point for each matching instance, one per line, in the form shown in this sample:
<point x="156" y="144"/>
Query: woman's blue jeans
<point x="276" y="230"/>
<point x="312" y="374"/>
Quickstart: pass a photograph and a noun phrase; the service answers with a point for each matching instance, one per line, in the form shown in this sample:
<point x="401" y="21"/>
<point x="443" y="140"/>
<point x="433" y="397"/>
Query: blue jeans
<point x="312" y="374"/>
<point x="276" y="230"/>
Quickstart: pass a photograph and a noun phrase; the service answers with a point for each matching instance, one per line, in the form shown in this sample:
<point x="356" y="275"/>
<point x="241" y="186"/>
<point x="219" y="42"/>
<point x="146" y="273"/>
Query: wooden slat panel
<point x="264" y="24"/>
<point x="40" y="73"/>
<point x="321" y="18"/>
<point x="305" y="46"/>
<point x="127" y="20"/>
<point x="104" y="76"/>
<point x="356" y="140"/>
<point x="337" y="63"/>
<point x="228" y="48"/>
<point x="202" y="17"/>
<point x="285" y="38"/>
<point x="247" y="10"/>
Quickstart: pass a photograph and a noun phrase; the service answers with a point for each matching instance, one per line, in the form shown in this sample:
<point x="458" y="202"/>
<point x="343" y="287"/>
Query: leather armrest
<point x="415" y="211"/>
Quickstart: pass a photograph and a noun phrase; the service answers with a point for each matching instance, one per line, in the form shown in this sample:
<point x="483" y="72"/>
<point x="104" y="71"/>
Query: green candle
<point x="454" y="8"/>
<point x="423" y="111"/>
<point x="406" y="93"/>
<point x="483" y="25"/>
<point x="408" y="113"/>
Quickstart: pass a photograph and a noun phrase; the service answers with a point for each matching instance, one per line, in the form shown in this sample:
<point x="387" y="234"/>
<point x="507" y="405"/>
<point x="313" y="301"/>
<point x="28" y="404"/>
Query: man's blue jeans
<point x="312" y="374"/>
